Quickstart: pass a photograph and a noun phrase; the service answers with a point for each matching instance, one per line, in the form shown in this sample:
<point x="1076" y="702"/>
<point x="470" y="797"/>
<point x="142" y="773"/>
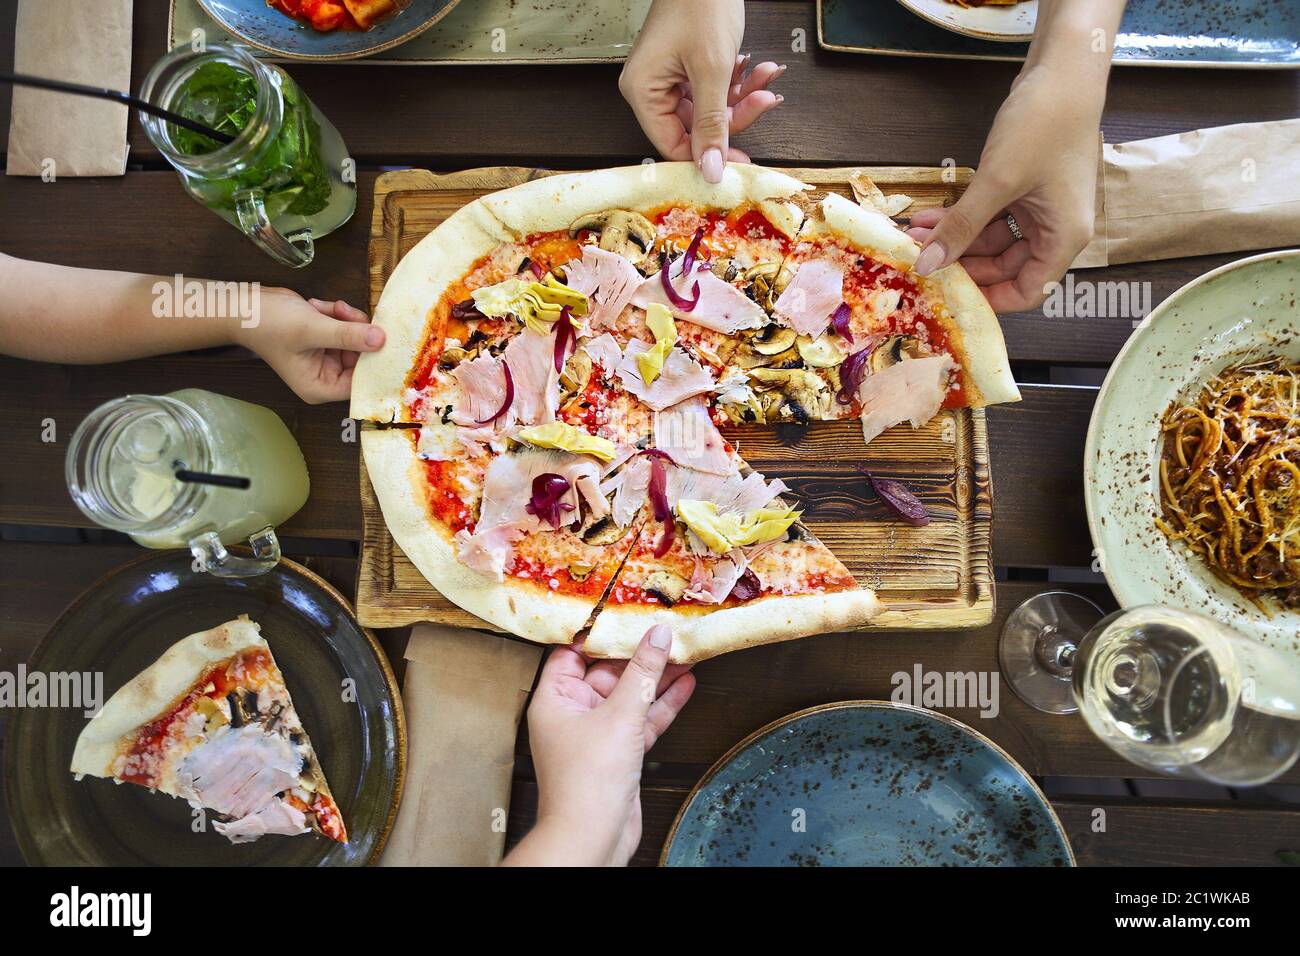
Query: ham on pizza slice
<point x="211" y="722"/>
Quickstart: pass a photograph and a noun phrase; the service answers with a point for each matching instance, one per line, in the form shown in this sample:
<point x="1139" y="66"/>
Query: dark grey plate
<point x="1222" y="33"/>
<point x="120" y="626"/>
<point x="866" y="783"/>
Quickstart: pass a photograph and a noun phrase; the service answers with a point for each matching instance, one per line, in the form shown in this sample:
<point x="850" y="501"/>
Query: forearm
<point x="55" y="313"/>
<point x="1074" y="42"/>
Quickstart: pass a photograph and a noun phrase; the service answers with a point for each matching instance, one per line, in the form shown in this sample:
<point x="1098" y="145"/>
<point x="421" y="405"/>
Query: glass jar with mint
<point x="286" y="178"/>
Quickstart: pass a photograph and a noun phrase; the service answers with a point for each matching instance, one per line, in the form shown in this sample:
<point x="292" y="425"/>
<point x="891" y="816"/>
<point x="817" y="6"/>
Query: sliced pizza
<point x="211" y="722"/>
<point x="562" y="354"/>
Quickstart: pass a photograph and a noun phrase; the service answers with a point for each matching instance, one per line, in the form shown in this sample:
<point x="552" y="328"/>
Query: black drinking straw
<point x="62" y="86"/>
<point x="204" y="478"/>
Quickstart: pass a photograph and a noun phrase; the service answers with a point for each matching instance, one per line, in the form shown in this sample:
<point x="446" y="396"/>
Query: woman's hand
<point x="686" y="82"/>
<point x="589" y="728"/>
<point x="312" y="345"/>
<point x="1039" y="164"/>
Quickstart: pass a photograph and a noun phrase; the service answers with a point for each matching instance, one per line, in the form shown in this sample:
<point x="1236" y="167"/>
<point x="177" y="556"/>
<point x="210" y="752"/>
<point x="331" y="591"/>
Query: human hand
<point x="589" y="728"/>
<point x="1040" y="165"/>
<point x="312" y="345"/>
<point x="686" y="82"/>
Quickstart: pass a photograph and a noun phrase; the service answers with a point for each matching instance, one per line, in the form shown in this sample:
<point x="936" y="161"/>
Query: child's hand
<point x="312" y="345"/>
<point x="589" y="728"/>
<point x="685" y="81"/>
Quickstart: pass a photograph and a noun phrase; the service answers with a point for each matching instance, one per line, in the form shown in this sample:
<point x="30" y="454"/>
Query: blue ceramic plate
<point x="255" y="23"/>
<point x="1223" y="33"/>
<point x="866" y="783"/>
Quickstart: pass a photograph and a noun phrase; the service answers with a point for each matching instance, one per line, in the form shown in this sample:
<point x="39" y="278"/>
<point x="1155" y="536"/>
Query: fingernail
<point x="711" y="165"/>
<point x="779" y="99"/>
<point x="780" y="69"/>
<point x="931" y="258"/>
<point x="374" y="336"/>
<point x="661" y="637"/>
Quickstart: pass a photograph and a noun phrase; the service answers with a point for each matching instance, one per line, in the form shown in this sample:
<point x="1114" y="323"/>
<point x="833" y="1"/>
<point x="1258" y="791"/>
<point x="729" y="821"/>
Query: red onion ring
<point x="840" y="322"/>
<point x="747" y="586"/>
<point x="666" y="539"/>
<point x="658" y="491"/>
<point x="852" y="370"/>
<point x="682" y="303"/>
<point x="564" y="337"/>
<point x="510" y="398"/>
<point x="545" y="503"/>
<point x="899" y="499"/>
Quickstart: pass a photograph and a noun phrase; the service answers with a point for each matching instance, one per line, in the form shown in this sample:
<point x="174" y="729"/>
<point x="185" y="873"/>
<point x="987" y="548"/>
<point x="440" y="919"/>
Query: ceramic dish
<point x="1233" y="34"/>
<point x="484" y="32"/>
<point x="1013" y="23"/>
<point x="866" y="783"/>
<point x="119" y="626"/>
<point x="1244" y="309"/>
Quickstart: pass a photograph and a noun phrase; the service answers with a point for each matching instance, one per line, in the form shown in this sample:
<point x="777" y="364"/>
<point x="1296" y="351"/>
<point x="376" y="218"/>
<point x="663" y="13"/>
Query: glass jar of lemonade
<point x="123" y="464"/>
<point x="284" y="179"/>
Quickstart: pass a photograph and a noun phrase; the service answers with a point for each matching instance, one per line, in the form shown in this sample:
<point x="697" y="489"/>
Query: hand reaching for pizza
<point x="312" y="345"/>
<point x="1039" y="165"/>
<point x="589" y="728"/>
<point x="687" y="84"/>
<point x="52" y="313"/>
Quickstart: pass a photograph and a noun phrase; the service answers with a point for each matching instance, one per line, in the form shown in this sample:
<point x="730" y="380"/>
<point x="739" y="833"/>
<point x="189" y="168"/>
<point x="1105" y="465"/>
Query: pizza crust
<point x="984" y="353"/>
<point x="697" y="636"/>
<point x="441" y="258"/>
<point x="156" y="689"/>
<point x="516" y="606"/>
<point x="554" y="202"/>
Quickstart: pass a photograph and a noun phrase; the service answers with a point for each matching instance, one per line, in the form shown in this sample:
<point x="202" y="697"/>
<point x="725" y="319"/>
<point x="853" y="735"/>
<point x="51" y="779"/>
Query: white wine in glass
<point x="1182" y="694"/>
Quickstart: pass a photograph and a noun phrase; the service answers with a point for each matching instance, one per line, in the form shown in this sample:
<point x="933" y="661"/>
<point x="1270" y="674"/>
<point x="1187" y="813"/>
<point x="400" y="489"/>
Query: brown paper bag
<point x="58" y="134"/>
<point x="463" y="695"/>
<point x="1223" y="189"/>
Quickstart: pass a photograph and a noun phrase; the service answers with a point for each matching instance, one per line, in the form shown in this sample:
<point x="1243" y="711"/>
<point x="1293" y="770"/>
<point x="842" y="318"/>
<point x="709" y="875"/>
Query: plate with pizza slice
<point x="544" y="436"/>
<point x="232" y="722"/>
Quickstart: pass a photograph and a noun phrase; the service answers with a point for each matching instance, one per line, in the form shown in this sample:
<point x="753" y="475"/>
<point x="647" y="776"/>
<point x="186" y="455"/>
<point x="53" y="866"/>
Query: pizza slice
<point x="522" y="538"/>
<point x="211" y="722"/>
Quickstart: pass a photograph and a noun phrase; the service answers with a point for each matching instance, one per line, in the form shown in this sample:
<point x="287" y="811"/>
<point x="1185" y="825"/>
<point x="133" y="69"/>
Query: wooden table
<point x="886" y="111"/>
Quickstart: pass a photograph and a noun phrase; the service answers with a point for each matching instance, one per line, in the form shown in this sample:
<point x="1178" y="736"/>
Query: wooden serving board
<point x="939" y="576"/>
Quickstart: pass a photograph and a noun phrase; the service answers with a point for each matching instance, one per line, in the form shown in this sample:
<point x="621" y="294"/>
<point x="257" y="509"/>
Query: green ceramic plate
<point x="120" y="626"/>
<point x="1245" y="309"/>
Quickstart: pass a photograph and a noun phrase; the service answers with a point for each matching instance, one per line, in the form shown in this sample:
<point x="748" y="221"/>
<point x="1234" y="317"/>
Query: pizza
<point x="211" y="722"/>
<point x="560" y="356"/>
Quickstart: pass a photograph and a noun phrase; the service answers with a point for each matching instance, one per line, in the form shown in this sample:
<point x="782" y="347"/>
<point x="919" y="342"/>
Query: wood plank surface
<point x="1137" y="833"/>
<point x="939" y="576"/>
<point x="886" y="109"/>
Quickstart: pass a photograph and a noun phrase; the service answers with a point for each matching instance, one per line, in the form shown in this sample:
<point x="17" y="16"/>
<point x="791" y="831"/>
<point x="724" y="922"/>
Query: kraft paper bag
<point x="463" y="695"/>
<point x="58" y="134"/>
<point x="1223" y="189"/>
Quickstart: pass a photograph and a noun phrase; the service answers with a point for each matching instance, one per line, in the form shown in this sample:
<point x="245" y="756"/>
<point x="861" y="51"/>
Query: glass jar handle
<point x="294" y="251"/>
<point x="213" y="557"/>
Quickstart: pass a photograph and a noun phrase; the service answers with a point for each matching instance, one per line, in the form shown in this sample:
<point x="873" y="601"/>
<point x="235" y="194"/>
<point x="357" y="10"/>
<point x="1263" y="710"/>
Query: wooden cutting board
<point x="939" y="576"/>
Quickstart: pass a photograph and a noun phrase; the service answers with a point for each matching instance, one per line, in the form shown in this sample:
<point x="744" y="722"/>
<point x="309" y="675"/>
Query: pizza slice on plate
<point x="211" y="722"/>
<point x="561" y="355"/>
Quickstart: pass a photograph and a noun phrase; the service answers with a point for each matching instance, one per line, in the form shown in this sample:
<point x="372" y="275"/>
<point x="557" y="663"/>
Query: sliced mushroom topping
<point x="804" y="395"/>
<point x="773" y="339"/>
<point x="766" y="281"/>
<point x="725" y="269"/>
<point x="579" y="572"/>
<point x="895" y="349"/>
<point x="451" y="357"/>
<point x="825" y="351"/>
<point x="603" y="531"/>
<point x="667" y="587"/>
<point x="629" y="234"/>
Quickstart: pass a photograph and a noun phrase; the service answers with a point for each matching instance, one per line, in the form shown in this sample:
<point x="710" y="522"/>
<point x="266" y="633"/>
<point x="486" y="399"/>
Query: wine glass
<point x="1170" y="690"/>
<point x="1183" y="694"/>
<point x="1038" y="645"/>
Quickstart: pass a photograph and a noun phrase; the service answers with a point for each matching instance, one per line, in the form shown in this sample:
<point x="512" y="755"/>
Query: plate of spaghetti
<point x="1011" y="21"/>
<point x="1192" y="463"/>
